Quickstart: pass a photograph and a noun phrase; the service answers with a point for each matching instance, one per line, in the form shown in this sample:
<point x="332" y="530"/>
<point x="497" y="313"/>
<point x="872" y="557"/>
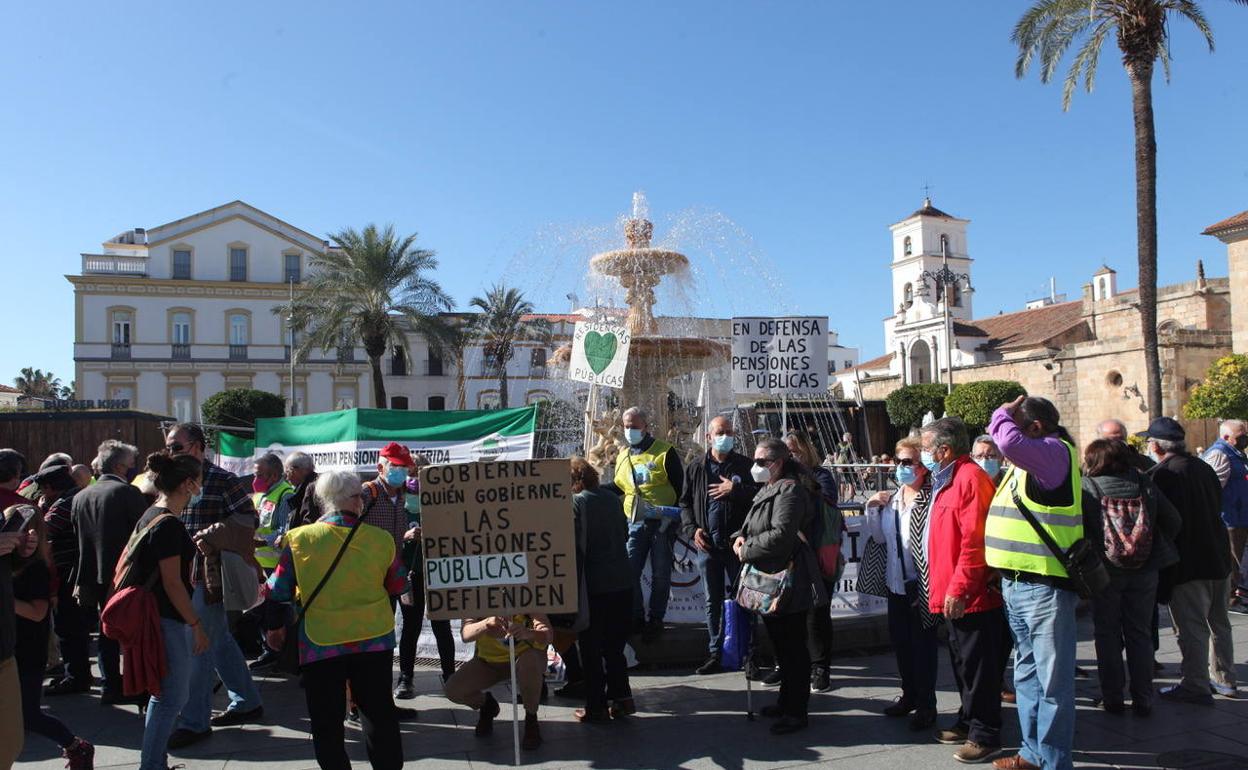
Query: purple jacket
<point x="1045" y="459"/>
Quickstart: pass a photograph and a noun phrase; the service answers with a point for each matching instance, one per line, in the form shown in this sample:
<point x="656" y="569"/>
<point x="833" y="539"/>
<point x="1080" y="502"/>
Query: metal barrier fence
<point x="857" y="482"/>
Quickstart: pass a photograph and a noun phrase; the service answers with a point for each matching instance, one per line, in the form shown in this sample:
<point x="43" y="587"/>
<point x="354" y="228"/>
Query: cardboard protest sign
<point x="599" y="354"/>
<point x="498" y="538"/>
<point x="780" y="356"/>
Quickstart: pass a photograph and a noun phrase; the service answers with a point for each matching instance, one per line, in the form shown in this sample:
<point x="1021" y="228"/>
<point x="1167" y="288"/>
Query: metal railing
<point x="857" y="482"/>
<point x="180" y="352"/>
<point x="238" y="352"/>
<point x="346" y="355"/>
<point x="121" y="350"/>
<point x="398" y="367"/>
<point x="433" y="367"/>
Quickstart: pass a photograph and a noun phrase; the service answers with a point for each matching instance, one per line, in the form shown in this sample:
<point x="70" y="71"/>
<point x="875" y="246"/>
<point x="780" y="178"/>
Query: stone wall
<point x="1237" y="263"/>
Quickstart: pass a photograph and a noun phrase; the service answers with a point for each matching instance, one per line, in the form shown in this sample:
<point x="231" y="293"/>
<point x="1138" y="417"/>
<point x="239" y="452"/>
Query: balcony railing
<point x="433" y="367"/>
<point x="346" y="355"/>
<point x="238" y="352"/>
<point x="181" y="352"/>
<point x="108" y="264"/>
<point x="121" y="351"/>
<point x="398" y="367"/>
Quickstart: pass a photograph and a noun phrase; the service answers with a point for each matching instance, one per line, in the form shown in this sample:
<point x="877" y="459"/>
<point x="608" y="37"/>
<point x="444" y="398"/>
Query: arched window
<point x="907" y="295"/>
<point x="907" y="246"/>
<point x="436" y="403"/>
<point x="398" y="402"/>
<point x="944" y="244"/>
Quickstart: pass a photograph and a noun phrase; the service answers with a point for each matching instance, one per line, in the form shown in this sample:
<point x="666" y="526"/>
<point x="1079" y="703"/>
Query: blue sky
<point x="512" y="134"/>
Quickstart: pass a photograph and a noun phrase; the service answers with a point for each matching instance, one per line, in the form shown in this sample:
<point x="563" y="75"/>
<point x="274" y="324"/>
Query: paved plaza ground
<point x="696" y="722"/>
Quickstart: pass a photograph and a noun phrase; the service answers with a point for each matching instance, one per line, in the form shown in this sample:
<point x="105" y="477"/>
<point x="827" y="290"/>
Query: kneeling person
<point x="491" y="665"/>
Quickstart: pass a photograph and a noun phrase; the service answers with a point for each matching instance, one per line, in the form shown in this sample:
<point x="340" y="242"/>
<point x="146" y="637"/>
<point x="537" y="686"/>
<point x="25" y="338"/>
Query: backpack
<point x="827" y="533"/>
<point x="1128" y="527"/>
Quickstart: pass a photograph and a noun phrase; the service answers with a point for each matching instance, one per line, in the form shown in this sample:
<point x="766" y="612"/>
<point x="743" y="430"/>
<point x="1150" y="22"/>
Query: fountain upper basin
<point x="644" y="260"/>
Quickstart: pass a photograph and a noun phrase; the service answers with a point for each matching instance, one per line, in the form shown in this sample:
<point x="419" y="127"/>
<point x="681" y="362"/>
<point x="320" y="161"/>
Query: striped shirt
<point x="385" y="512"/>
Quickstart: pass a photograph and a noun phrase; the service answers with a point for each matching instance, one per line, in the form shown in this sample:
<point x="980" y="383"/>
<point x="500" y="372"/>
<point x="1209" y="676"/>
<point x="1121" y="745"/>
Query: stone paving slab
<point x="695" y="723"/>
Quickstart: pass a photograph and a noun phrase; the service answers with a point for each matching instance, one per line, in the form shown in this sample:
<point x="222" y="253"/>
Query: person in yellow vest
<point x="491" y="664"/>
<point x="272" y="495"/>
<point x="1039" y="597"/>
<point x="650" y="478"/>
<point x="346" y="635"/>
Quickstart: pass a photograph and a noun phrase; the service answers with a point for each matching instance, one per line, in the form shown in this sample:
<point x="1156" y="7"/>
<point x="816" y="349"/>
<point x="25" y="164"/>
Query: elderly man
<point x="106" y="513"/>
<point x="650" y="477"/>
<point x="957" y="587"/>
<point x="1114" y="430"/>
<point x="1199" y="586"/>
<point x="223" y="519"/>
<point x="986" y="455"/>
<point x="1226" y="457"/>
<point x="716" y="497"/>
<point x="271" y="497"/>
<point x="70" y="621"/>
<point x="301" y="473"/>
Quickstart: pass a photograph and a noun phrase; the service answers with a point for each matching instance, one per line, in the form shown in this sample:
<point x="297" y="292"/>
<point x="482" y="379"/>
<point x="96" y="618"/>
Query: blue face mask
<point x="991" y="466"/>
<point x="195" y="499"/>
<point x="929" y="461"/>
<point x="905" y="474"/>
<point x="396" y="477"/>
<point x="723" y="443"/>
<point x="634" y="436"/>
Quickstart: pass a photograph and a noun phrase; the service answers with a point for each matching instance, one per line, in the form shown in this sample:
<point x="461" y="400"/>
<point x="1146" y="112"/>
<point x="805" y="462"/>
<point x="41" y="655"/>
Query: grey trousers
<point x="1198" y="611"/>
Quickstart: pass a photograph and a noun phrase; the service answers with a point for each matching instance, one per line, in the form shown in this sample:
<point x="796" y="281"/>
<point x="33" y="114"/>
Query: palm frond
<point x="1085" y="63"/>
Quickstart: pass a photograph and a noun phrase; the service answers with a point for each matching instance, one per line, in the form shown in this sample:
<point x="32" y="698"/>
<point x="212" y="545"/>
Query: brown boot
<point x="532" y="735"/>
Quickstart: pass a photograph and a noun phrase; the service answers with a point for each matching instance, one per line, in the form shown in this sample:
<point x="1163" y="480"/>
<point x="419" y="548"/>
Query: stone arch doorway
<point x="920" y="362"/>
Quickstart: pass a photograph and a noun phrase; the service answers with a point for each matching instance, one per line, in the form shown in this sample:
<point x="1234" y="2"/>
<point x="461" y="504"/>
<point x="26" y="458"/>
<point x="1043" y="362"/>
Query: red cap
<point x="397" y="454"/>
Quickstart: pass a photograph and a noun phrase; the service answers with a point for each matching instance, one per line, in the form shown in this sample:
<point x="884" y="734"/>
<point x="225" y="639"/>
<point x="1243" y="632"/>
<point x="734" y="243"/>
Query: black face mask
<point x="1241" y="442"/>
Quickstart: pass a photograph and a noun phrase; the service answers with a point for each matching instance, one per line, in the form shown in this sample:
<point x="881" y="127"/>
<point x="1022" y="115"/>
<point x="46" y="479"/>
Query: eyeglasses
<point x="176" y="446"/>
<point x="762" y="462"/>
<point x="905" y="462"/>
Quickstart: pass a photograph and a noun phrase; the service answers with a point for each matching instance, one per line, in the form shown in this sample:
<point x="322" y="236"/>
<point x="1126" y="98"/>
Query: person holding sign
<point x="491" y="664"/>
<point x="345" y="573"/>
<point x="650" y="477"/>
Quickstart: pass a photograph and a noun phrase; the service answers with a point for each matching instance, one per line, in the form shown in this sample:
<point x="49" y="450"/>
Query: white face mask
<point x="760" y="473"/>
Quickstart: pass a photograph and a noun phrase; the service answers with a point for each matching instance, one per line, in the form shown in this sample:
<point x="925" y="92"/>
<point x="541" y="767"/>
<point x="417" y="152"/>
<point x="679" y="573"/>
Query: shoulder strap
<point x="127" y="555"/>
<point x="1045" y="537"/>
<point x="303" y="609"/>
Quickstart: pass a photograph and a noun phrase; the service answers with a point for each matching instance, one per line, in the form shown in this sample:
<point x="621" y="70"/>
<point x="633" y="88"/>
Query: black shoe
<point x="773" y="678"/>
<point x="711" y="666"/>
<point x="404" y="690"/>
<point x="572" y="690"/>
<point x="786" y="725"/>
<point x="67" y="686"/>
<point x="923" y="718"/>
<point x="232" y="717"/>
<point x="488" y="710"/>
<point x="532" y="739"/>
<point x="353" y="715"/>
<point x="183" y="737"/>
<point x="1082" y="673"/>
<point x="1142" y="709"/>
<point x="268" y="660"/>
<point x="404" y="714"/>
<point x="820" y="679"/>
<point x="899" y="708"/>
<point x="1114" y="707"/>
<point x="771" y="712"/>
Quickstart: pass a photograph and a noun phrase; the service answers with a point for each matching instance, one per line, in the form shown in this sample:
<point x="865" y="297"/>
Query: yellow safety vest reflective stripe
<point x="1011" y="544"/>
<point x="266" y="505"/>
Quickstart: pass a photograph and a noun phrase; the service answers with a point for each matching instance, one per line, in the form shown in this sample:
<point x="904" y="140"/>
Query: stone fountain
<point x="653" y="359"/>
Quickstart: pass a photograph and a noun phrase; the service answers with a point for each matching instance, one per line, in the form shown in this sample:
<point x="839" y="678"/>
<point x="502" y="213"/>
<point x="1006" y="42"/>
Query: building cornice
<point x="170" y="287"/>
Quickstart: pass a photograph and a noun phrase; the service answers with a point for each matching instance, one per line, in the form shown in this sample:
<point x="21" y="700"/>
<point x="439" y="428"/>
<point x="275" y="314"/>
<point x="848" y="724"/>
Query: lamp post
<point x="944" y="278"/>
<point x="290" y="321"/>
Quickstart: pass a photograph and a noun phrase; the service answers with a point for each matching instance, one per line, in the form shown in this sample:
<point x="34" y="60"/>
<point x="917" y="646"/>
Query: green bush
<point x="975" y="402"/>
<point x="241" y="407"/>
<point x="1224" y="393"/>
<point x="907" y="405"/>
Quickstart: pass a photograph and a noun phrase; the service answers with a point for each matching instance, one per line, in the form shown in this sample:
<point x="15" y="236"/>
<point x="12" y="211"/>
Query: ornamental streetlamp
<point x="947" y="284"/>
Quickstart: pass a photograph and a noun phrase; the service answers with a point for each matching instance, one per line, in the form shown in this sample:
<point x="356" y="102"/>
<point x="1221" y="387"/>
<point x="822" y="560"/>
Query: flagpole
<point x="515" y="711"/>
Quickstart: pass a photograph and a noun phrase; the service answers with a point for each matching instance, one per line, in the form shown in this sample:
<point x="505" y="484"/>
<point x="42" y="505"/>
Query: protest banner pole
<point x="515" y="715"/>
<point x="784" y="414"/>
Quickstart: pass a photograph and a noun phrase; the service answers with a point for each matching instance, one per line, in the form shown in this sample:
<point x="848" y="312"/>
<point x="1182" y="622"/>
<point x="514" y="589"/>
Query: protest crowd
<point x="174" y="576"/>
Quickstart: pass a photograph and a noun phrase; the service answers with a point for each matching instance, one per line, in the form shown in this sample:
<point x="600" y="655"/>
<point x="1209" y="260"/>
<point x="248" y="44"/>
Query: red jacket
<point x="955" y="545"/>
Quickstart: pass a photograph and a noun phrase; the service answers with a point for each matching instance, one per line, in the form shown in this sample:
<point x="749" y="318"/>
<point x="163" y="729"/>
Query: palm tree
<point x="35" y="383"/>
<point x="375" y="288"/>
<point x="502" y="323"/>
<point x="1140" y="27"/>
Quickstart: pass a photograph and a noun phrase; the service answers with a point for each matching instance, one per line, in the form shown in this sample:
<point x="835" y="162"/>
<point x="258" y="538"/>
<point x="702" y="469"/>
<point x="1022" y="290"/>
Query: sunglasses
<point x="762" y="463"/>
<point x="905" y="462"/>
<point x="175" y="446"/>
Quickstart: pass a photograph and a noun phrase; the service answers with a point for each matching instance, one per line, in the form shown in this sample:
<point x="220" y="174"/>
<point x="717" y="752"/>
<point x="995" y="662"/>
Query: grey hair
<point x="112" y="452"/>
<point x="333" y="488"/>
<point x="775" y="449"/>
<point x="301" y="460"/>
<point x="950" y="432"/>
<point x="271" y="462"/>
<point x="1228" y="425"/>
<point x="1170" y="447"/>
<point x="636" y="411"/>
<point x="57" y="458"/>
<point x="1122" y="426"/>
<point x="984" y="439"/>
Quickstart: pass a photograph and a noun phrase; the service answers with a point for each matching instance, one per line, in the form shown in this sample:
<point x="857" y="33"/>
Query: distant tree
<point x="975" y="402"/>
<point x="1224" y="393"/>
<point x="241" y="407"/>
<point x="907" y="405"/>
<point x="69" y="391"/>
<point x="501" y="324"/>
<point x="1141" y="29"/>
<point x="36" y="383"/>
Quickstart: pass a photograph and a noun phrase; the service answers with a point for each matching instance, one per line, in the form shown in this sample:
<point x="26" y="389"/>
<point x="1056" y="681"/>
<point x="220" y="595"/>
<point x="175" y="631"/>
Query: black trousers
<point x="325" y="689"/>
<point x="915" y="648"/>
<point x="36" y="719"/>
<point x="413" y="620"/>
<point x="1122" y="617"/>
<point x="977" y="650"/>
<point x="72" y="625"/>
<point x="788" y="639"/>
<point x="602" y="648"/>
<point x="819" y="631"/>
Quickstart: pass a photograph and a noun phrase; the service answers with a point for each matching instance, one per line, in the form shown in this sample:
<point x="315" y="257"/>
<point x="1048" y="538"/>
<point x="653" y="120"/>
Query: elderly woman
<point x="346" y="572"/>
<point x="892" y="518"/>
<point x="771" y="541"/>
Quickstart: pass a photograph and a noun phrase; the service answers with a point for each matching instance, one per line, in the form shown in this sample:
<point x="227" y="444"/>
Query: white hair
<point x="636" y="411"/>
<point x="334" y="488"/>
<point x="112" y="452"/>
<point x="1225" y="428"/>
<point x="1122" y="426"/>
<point x="301" y="461"/>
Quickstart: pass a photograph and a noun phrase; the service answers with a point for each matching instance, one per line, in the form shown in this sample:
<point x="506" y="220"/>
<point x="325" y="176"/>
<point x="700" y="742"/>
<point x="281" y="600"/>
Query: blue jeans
<point x="645" y="541"/>
<point x="224" y="658"/>
<point x="1042" y="622"/>
<point x="719" y="568"/>
<point x="162" y="712"/>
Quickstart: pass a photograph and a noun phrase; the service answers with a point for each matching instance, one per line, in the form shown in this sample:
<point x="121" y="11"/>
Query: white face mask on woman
<point x="760" y="473"/>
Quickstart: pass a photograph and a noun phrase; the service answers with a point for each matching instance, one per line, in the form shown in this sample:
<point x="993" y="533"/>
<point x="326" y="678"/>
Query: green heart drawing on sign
<point x="599" y="350"/>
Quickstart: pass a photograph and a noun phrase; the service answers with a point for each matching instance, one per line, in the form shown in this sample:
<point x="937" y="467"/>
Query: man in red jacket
<point x="959" y="587"/>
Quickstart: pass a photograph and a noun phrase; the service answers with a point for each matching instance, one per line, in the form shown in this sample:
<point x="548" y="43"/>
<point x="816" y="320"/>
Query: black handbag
<point x="1082" y="560"/>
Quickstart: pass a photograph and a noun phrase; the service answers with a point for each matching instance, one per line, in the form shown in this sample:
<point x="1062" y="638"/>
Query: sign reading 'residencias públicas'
<point x="599" y="354"/>
<point x="780" y="356"/>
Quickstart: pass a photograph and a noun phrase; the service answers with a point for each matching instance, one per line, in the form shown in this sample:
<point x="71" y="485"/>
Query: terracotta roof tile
<point x="1239" y="221"/>
<point x="874" y="363"/>
<point x="1028" y="328"/>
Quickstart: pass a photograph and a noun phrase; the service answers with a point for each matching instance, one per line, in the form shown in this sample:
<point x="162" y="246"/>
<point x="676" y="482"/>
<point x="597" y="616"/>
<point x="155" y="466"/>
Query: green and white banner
<point x="351" y="439"/>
